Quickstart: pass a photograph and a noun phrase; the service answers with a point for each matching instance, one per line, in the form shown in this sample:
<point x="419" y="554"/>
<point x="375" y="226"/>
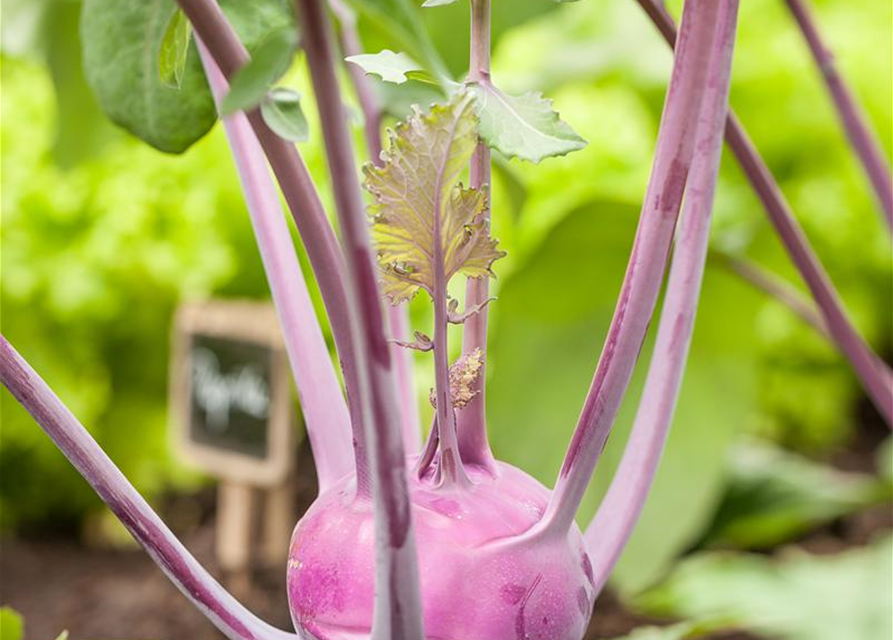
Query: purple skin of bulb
<point x="478" y="581"/>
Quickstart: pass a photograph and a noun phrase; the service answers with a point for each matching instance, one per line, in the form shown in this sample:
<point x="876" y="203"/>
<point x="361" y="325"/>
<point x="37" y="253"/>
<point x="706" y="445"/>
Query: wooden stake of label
<point x="233" y="412"/>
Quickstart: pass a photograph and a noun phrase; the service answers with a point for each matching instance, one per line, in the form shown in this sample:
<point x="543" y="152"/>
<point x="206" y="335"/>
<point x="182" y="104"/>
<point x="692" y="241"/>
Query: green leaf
<point x="11" y="625"/>
<point x="63" y="635"/>
<point x="523" y="126"/>
<point x="797" y="597"/>
<point x="389" y="66"/>
<point x="122" y="41"/>
<point x="282" y="112"/>
<point x="174" y="50"/>
<point x="268" y="62"/>
<point x="437" y="3"/>
<point x="558" y="305"/>
<point x="774" y="497"/>
<point x="418" y="183"/>
<point x="401" y="23"/>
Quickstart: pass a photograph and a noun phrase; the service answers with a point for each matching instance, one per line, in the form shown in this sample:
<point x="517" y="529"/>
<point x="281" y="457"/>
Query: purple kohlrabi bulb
<point x="479" y="580"/>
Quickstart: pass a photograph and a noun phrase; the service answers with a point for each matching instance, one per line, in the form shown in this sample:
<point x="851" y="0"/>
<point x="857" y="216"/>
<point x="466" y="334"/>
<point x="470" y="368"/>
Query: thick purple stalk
<point x="319" y="239"/>
<point x="398" y="609"/>
<point x="876" y="377"/>
<point x="398" y="315"/>
<point x="322" y="402"/>
<point x="864" y="142"/>
<point x="612" y="526"/>
<point x="224" y="611"/>
<point x="644" y="274"/>
<point x="472" y="420"/>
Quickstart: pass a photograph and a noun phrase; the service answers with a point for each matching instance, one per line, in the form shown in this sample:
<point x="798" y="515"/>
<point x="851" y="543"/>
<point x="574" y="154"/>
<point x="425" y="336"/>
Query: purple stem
<point x="224" y="611"/>
<point x="398" y="315"/>
<point x="613" y="524"/>
<point x="660" y="209"/>
<point x="864" y="142"/>
<point x="472" y="420"/>
<point x="322" y="402"/>
<point x="397" y="611"/>
<point x="451" y="468"/>
<point x="876" y="377"/>
<point x="300" y="193"/>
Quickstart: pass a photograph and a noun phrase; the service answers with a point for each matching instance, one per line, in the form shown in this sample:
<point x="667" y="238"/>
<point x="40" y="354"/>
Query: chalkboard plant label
<point x="230" y="393"/>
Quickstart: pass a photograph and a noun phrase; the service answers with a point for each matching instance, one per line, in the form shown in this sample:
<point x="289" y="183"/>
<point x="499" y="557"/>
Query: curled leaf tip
<point x="422" y="342"/>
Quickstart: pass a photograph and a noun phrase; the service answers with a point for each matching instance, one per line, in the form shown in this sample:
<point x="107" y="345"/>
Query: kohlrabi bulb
<point x="481" y="579"/>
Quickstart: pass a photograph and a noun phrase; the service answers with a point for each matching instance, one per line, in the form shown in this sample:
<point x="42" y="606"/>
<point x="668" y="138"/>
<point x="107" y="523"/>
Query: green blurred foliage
<point x="794" y="596"/>
<point x="100" y="243"/>
<point x="775" y="497"/>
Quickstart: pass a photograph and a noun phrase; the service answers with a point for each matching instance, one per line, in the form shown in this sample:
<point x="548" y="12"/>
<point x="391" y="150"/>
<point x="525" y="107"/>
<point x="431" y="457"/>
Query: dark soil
<point x="98" y="593"/>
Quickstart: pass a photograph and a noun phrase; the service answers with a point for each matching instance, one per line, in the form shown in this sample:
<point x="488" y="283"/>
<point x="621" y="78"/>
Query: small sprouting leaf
<point x="389" y="66"/>
<point x="453" y="315"/>
<point x="417" y="186"/>
<point x="268" y="62"/>
<point x="464" y="373"/>
<point x="422" y="342"/>
<point x="525" y="126"/>
<point x="174" y="50"/>
<point x="281" y="110"/>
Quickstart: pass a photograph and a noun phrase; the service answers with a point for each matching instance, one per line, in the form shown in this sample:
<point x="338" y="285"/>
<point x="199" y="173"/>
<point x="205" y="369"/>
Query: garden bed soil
<point x="57" y="583"/>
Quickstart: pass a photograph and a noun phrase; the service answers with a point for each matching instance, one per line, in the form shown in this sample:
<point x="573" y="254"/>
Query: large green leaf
<point x="774" y="496"/>
<point x="551" y="318"/>
<point x="121" y="45"/>
<point x="799" y="597"/>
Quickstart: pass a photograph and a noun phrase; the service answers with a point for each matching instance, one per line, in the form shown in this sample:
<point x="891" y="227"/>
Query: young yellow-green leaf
<point x="417" y="186"/>
<point x="63" y="635"/>
<point x="281" y="110"/>
<point x="174" y="50"/>
<point x="268" y="62"/>
<point x="525" y="126"/>
<point x="387" y="65"/>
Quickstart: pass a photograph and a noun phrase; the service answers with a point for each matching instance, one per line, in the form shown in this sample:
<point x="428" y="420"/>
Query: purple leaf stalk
<point x="617" y="515"/>
<point x="864" y="143"/>
<point x="873" y="373"/>
<point x="464" y="546"/>
<point x="398" y="315"/>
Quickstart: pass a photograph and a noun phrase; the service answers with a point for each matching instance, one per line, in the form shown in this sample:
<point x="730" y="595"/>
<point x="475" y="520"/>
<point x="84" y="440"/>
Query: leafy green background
<point x="102" y="236"/>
